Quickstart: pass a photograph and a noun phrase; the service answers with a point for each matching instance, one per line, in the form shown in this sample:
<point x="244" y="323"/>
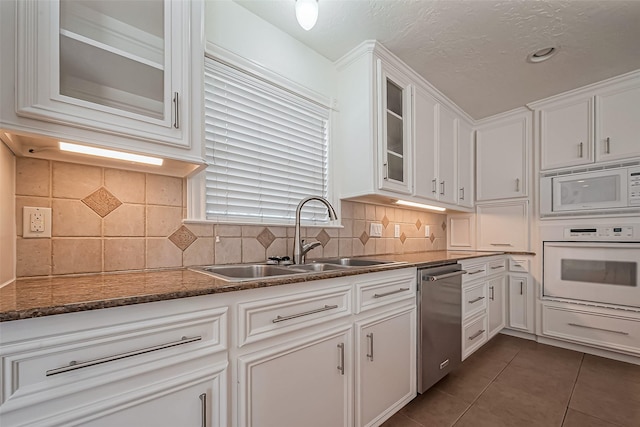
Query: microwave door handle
<point x="580" y="150"/>
<point x="607" y="146"/>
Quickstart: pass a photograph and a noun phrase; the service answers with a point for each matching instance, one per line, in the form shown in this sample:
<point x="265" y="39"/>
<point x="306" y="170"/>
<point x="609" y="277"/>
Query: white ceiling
<point x="474" y="51"/>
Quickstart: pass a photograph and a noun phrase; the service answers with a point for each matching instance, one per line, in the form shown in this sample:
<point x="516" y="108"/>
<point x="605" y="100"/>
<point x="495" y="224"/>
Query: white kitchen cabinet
<point x="447" y="149"/>
<point x="385" y="364"/>
<point x="496" y="305"/>
<point x="461" y="231"/>
<point x="307" y="381"/>
<point x="466" y="161"/>
<point x="503" y="226"/>
<point x="618" y="123"/>
<point x="520" y="302"/>
<point x="502" y="156"/>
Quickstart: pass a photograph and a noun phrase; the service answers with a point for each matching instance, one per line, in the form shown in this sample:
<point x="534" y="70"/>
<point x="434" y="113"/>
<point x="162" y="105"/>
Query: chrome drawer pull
<point x="176" y="106"/>
<point x="306" y="313"/>
<point x="607" y="149"/>
<point x="500" y="244"/>
<point x="203" y="414"/>
<point x="476" y="272"/>
<point x="370" y="354"/>
<point x="497" y="267"/>
<point x="390" y="293"/>
<point x="476" y="300"/>
<point x="476" y="335"/>
<point x="492" y="296"/>
<point x="341" y="365"/>
<point x="446" y="275"/>
<point x="598" y="329"/>
<point x="73" y="365"/>
<point x="580" y="150"/>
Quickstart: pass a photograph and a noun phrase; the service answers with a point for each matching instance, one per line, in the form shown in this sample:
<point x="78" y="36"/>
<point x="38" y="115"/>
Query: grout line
<point x="566" y="410"/>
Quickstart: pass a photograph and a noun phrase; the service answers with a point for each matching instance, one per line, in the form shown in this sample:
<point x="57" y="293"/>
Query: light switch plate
<point x="36" y="222"/>
<point x="427" y="231"/>
<point x="375" y="229"/>
<point x="396" y="230"/>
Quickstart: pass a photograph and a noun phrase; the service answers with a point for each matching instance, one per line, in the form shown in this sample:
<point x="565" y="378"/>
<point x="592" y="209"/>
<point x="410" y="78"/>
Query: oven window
<point x="602" y="272"/>
<point x="589" y="190"/>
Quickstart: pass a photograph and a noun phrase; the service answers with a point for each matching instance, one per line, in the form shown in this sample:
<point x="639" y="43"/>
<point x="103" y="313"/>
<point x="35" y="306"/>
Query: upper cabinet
<point x="593" y="124"/>
<point x="502" y="156"/>
<point x="466" y="164"/>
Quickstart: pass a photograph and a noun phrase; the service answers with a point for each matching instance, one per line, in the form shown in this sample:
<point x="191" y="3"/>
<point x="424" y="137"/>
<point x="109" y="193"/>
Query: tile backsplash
<point x="106" y="220"/>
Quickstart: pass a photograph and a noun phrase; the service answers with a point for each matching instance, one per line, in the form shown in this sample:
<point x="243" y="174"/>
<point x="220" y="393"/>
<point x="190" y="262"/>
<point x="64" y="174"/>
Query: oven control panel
<point x="609" y="232"/>
<point x="634" y="186"/>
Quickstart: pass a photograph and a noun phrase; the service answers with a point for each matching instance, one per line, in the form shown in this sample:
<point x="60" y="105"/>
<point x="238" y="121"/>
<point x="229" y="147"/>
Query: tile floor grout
<point x="573" y="389"/>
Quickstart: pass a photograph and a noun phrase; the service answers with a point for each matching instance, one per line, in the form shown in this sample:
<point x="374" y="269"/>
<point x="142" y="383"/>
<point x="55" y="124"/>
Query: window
<point x="267" y="149"/>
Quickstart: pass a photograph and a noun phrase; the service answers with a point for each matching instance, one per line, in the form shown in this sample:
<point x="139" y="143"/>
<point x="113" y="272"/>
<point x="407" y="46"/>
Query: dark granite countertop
<point x="36" y="297"/>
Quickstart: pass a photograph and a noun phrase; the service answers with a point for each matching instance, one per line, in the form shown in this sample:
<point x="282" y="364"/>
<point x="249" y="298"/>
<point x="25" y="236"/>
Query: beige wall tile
<point x="389" y="246"/>
<point x="279" y="232"/>
<point x="75" y="181"/>
<point x="163" y="253"/>
<point x="346" y="210"/>
<point x="126" y="221"/>
<point x="127" y="186"/>
<point x="252" y="250"/>
<point x="162" y="221"/>
<point x="32" y="177"/>
<point x="164" y="190"/>
<point x="359" y="211"/>
<point x="370" y="212"/>
<point x="381" y="212"/>
<point x="252" y="230"/>
<point x="201" y="230"/>
<point x="124" y="254"/>
<point x="227" y="230"/>
<point x="33" y="257"/>
<point x="331" y="249"/>
<point x="228" y="250"/>
<point x="347" y="228"/>
<point x="345" y="246"/>
<point x="21" y="201"/>
<point x="357" y="247"/>
<point x="370" y="247"/>
<point x="199" y="252"/>
<point x="77" y="256"/>
<point x="278" y="248"/>
<point x="72" y="218"/>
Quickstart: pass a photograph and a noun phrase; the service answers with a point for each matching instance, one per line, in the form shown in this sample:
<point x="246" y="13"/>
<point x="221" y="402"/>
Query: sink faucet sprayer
<point x="299" y="248"/>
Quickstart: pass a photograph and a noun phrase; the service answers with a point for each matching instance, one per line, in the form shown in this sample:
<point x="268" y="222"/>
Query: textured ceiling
<point x="474" y="51"/>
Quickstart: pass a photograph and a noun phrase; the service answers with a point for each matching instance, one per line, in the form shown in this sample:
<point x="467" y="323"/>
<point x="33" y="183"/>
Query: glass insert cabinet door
<point x="395" y="129"/>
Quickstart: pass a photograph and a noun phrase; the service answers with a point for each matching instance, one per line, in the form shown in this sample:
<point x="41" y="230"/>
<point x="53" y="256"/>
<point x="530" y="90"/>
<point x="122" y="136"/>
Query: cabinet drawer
<point x="603" y="330"/>
<point x="265" y="318"/>
<point x="519" y="265"/>
<point x="496" y="267"/>
<point x="474" y="272"/>
<point x="385" y="290"/>
<point x="474" y="300"/>
<point x="474" y="335"/>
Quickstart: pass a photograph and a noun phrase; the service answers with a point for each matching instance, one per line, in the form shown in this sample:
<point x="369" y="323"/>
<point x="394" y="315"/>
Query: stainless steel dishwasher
<point x="439" y="323"/>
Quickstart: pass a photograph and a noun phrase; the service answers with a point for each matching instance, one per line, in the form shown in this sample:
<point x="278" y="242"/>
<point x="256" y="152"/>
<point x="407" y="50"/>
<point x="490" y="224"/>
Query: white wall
<point x="7" y="213"/>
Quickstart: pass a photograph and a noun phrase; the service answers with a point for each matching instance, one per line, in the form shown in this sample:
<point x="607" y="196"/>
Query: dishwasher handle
<point x="445" y="275"/>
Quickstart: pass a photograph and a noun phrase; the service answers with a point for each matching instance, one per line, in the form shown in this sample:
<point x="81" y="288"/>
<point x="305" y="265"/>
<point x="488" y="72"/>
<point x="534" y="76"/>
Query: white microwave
<point x="596" y="191"/>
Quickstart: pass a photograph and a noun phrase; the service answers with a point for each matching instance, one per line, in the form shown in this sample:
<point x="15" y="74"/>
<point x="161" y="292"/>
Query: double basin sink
<point x="243" y="272"/>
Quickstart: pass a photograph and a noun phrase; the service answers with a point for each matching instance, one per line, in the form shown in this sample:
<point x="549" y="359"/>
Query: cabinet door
<point x="618" y="115"/>
<point x="520" y="315"/>
<point x="566" y="134"/>
<point x="425" y="145"/>
<point x="447" y="165"/>
<point x="394" y="132"/>
<point x="305" y="382"/>
<point x="386" y="371"/>
<point x="503" y="226"/>
<point x="501" y="151"/>
<point x="465" y="165"/>
<point x="497" y="304"/>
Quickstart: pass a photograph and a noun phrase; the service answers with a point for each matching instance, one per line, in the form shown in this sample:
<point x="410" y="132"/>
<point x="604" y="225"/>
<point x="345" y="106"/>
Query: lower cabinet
<point x="305" y="382"/>
<point x="385" y="365"/>
<point x="521" y="302"/>
<point x="497" y="304"/>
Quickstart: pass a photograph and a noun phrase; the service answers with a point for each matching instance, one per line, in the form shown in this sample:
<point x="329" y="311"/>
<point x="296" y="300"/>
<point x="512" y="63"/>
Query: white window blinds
<point x="266" y="148"/>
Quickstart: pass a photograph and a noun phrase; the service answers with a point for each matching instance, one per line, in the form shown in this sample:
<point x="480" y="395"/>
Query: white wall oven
<point x="602" y="270"/>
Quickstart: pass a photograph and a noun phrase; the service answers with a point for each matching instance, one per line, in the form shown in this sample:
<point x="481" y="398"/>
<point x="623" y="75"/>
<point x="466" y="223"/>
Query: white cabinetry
<point x="497" y="304"/>
<point x="503" y="226"/>
<point x="466" y="161"/>
<point x="521" y="296"/>
<point x="618" y="122"/>
<point x="502" y="156"/>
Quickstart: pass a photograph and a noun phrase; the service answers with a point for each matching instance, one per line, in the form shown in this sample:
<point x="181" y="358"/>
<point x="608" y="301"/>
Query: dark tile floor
<point x="511" y="382"/>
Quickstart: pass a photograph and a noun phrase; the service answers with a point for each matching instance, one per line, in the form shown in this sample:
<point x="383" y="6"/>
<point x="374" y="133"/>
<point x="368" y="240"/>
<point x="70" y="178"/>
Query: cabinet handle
<point x="580" y="150"/>
<point x="433" y="186"/>
<point x="390" y="293"/>
<point x="491" y="297"/>
<point x="306" y="313"/>
<point x="176" y="109"/>
<point x="370" y="354"/>
<point x="495" y="267"/>
<point x="476" y="335"/>
<point x="517" y="184"/>
<point x="386" y="171"/>
<point x="462" y="193"/>
<point x="442" y="188"/>
<point x="445" y="275"/>
<point x="341" y="365"/>
<point x="476" y="300"/>
<point x="476" y="272"/>
<point x="598" y="329"/>
<point x="203" y="404"/>
<point x="73" y="365"/>
<point x="607" y="146"/>
<point x="521" y="286"/>
<point x="500" y="244"/>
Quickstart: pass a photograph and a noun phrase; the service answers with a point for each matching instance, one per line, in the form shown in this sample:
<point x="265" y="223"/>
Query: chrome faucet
<point x="299" y="248"/>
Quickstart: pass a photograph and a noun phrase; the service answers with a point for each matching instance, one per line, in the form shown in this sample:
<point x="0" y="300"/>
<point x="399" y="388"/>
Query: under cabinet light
<point x="111" y="154"/>
<point x="420" y="205"/>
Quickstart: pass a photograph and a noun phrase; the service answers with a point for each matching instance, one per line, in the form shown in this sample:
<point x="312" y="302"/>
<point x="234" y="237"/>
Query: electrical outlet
<point x="427" y="231"/>
<point x="36" y="222"/>
<point x="396" y="230"/>
<point x="375" y="229"/>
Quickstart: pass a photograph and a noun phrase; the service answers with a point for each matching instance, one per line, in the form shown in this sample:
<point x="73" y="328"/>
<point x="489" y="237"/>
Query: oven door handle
<point x="445" y="276"/>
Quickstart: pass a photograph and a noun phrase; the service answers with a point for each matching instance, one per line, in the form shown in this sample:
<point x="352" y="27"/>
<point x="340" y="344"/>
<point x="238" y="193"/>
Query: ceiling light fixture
<point x="542" y="54"/>
<point x="420" y="205"/>
<point x="307" y="13"/>
<point x="111" y="154"/>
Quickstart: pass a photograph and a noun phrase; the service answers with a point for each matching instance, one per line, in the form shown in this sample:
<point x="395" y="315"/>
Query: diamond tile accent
<point x="182" y="238"/>
<point x="432" y="237"/>
<point x="323" y="238"/>
<point x="403" y="237"/>
<point x="385" y="221"/>
<point x="102" y="202"/>
<point x="266" y="238"/>
<point x="444" y="225"/>
<point x="364" y="237"/>
<point x="418" y="224"/>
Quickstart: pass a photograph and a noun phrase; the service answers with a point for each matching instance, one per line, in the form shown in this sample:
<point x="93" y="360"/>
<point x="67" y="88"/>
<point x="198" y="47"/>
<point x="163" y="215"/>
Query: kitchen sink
<point x="241" y="272"/>
<point x="319" y="266"/>
<point x="353" y="262"/>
